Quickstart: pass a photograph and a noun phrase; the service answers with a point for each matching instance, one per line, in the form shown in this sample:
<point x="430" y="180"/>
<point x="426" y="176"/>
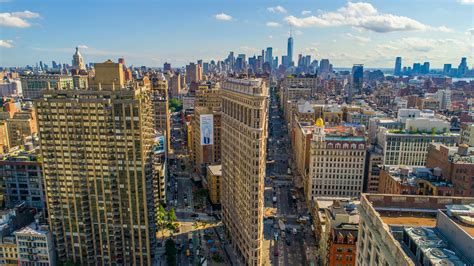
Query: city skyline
<point x="372" y="33"/>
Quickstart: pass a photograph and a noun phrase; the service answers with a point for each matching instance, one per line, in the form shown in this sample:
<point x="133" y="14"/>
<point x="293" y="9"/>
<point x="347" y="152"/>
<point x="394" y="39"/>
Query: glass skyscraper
<point x="290" y="51"/>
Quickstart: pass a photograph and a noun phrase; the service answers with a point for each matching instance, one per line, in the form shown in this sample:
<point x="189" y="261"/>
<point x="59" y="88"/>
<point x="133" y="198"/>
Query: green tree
<point x="175" y="105"/>
<point x="161" y="220"/>
<point x="172" y="216"/>
<point x="170" y="249"/>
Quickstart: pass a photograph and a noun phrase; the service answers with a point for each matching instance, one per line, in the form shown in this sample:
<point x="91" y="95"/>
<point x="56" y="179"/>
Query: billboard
<point x="207" y="129"/>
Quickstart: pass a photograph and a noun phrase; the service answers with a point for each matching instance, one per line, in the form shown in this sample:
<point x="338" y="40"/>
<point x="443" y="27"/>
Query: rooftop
<point x="215" y="169"/>
<point x="408" y="218"/>
<point x="409" y="176"/>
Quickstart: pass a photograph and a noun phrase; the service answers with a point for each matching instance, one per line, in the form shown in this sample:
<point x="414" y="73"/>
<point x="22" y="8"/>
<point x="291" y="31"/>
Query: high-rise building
<point x="289" y="51"/>
<point x="96" y="146"/>
<point x="269" y="55"/>
<point x="244" y="135"/>
<point x="357" y="81"/>
<point x="193" y="73"/>
<point x="324" y="66"/>
<point x="447" y="69"/>
<point x="398" y="66"/>
<point x="175" y="84"/>
<point x="425" y="68"/>
<point x="161" y="107"/>
<point x="462" y="68"/>
<point x="416" y="68"/>
<point x="78" y="61"/>
<point x="166" y="67"/>
<point x="206" y="104"/>
<point x="35" y="245"/>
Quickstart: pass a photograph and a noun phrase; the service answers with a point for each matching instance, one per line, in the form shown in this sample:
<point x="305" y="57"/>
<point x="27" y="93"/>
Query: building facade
<point x="21" y="179"/>
<point x="96" y="146"/>
<point x="35" y="246"/>
<point x="337" y="161"/>
<point x="244" y="135"/>
<point x="33" y="85"/>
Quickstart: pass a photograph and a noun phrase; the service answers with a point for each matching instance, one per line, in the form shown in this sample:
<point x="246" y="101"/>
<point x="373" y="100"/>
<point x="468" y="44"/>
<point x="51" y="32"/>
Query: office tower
<point x="78" y="61"/>
<point x="41" y="66"/>
<point x="416" y="68"/>
<point x="269" y="55"/>
<point x="32" y="85"/>
<point x="193" y="73"/>
<point x="414" y="230"/>
<point x="462" y="68"/>
<point x="289" y="51"/>
<point x="425" y="68"/>
<point x="456" y="164"/>
<point x="166" y="67"/>
<point x="275" y="62"/>
<point x="447" y="69"/>
<point x="244" y="136"/>
<point x="207" y="109"/>
<point x="336" y="166"/>
<point x="231" y="60"/>
<point x="21" y="178"/>
<point x="324" y="66"/>
<point x="284" y="60"/>
<point x="398" y="66"/>
<point x="357" y="81"/>
<point x="96" y="146"/>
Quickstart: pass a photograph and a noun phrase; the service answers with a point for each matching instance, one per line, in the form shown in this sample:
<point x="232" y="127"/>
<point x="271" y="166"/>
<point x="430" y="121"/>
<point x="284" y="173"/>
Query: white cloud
<point x="442" y="29"/>
<point x="359" y="15"/>
<point x="358" y="38"/>
<point x="6" y="43"/>
<point x="223" y="16"/>
<point x="305" y="12"/>
<point x="466" y="2"/>
<point x="277" y="9"/>
<point x="471" y="31"/>
<point x="17" y="19"/>
<point x="273" y="24"/>
<point x="82" y="46"/>
<point x="26" y="14"/>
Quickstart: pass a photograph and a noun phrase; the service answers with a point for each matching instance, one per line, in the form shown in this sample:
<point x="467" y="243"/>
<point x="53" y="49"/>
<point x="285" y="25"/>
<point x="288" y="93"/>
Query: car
<point x="288" y="242"/>
<point x="194" y="215"/>
<point x="275" y="251"/>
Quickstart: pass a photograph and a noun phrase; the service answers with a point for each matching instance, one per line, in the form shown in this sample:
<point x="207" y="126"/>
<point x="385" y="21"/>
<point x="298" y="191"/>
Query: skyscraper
<point x="269" y="55"/>
<point x="78" y="61"/>
<point x="398" y="66"/>
<point x="290" y="51"/>
<point x="462" y="68"/>
<point x="244" y="134"/>
<point x="357" y="80"/>
<point x="96" y="146"/>
<point x="324" y="66"/>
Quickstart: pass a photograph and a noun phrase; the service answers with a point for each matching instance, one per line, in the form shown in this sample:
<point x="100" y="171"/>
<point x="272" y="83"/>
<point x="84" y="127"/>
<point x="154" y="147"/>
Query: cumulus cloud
<point x="305" y="12"/>
<point x="6" y="43"/>
<point x="358" y="38"/>
<point x="418" y="44"/>
<point x="359" y="15"/>
<point x="273" y="24"/>
<point x="466" y="2"/>
<point x="276" y="9"/>
<point x="223" y="17"/>
<point x="471" y="31"/>
<point x="17" y="19"/>
<point x="82" y="46"/>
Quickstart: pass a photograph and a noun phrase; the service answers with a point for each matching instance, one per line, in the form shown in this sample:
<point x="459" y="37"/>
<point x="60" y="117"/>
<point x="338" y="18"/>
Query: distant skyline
<point x="150" y="33"/>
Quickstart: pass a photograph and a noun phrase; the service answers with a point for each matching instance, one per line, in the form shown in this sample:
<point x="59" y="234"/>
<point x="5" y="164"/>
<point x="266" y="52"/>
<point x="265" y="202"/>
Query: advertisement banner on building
<point x="207" y="129"/>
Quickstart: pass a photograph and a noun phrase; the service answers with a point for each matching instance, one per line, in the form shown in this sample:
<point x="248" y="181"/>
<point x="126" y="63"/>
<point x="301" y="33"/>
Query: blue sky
<point x="152" y="32"/>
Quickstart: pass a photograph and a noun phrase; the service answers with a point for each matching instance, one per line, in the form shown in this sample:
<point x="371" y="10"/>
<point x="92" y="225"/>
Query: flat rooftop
<point x="215" y="169"/>
<point x="408" y="218"/>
